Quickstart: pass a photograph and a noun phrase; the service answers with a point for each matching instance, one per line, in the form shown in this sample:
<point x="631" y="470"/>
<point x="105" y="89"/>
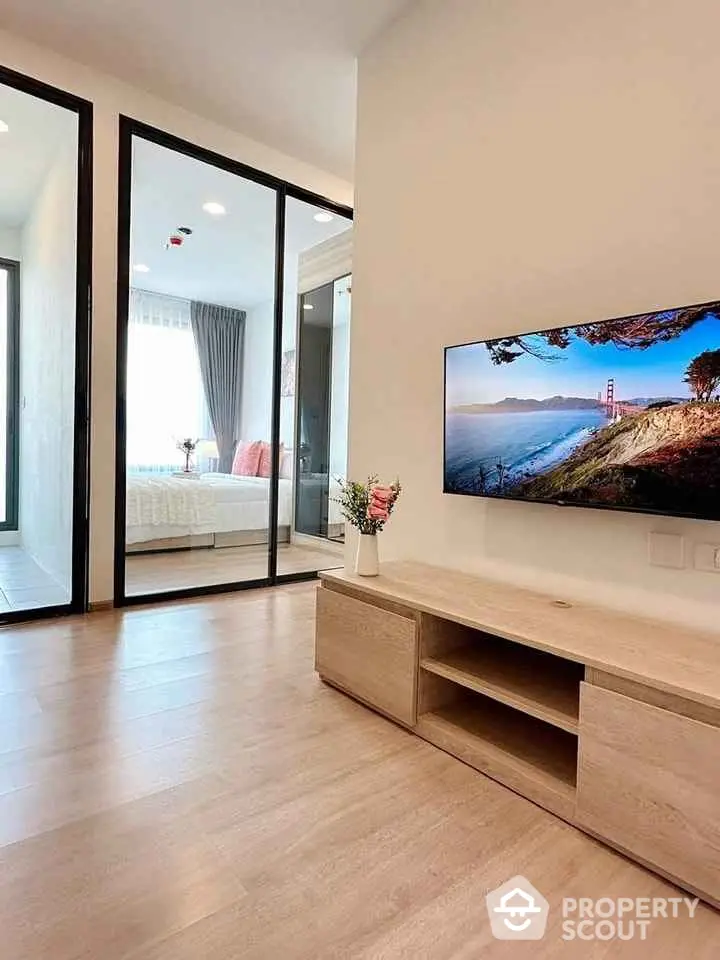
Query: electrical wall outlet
<point x="666" y="550"/>
<point x="707" y="557"/>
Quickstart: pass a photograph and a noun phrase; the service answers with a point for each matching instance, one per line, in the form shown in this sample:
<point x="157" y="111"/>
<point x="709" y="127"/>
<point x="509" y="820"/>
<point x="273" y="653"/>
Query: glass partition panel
<point x="200" y="341"/>
<point x="38" y="314"/>
<point x="315" y="360"/>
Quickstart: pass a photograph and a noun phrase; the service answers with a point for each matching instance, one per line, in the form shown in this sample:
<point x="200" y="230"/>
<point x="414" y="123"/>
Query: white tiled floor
<point x="24" y="585"/>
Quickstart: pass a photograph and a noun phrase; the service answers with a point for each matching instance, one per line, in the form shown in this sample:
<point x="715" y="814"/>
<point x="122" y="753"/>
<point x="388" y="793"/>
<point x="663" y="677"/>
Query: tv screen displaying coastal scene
<point x="620" y="413"/>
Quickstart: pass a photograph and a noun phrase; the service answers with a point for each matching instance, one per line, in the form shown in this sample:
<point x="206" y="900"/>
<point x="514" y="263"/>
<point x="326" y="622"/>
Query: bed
<point x="212" y="509"/>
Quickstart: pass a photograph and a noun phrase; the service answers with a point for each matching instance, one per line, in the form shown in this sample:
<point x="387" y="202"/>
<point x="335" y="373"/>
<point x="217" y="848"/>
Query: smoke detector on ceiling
<point x="177" y="238"/>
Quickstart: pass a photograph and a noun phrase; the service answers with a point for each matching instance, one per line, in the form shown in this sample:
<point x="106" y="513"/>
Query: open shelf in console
<point x="540" y="684"/>
<point x="533" y="757"/>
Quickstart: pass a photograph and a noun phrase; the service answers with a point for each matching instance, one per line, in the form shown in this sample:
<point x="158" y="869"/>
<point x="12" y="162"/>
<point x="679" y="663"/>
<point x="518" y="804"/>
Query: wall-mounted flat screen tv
<point x="621" y="414"/>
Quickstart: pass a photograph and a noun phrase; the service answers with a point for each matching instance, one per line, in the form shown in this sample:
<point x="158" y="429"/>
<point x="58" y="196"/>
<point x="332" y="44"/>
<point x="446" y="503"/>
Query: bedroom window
<point x="165" y="397"/>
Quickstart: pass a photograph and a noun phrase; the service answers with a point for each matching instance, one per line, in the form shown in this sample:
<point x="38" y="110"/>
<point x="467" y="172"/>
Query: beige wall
<point x="110" y="98"/>
<point x="523" y="165"/>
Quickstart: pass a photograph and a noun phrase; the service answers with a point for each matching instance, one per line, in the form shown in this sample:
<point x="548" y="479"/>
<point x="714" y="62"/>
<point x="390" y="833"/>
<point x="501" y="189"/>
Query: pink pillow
<point x="247" y="458"/>
<point x="265" y="464"/>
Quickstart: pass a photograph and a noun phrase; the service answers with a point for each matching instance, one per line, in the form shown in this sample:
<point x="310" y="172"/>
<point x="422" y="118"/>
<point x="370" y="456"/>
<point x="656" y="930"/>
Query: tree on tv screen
<point x="703" y="375"/>
<point x="631" y="333"/>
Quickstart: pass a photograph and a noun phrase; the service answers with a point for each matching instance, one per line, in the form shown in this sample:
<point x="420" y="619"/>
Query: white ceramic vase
<point x="367" y="564"/>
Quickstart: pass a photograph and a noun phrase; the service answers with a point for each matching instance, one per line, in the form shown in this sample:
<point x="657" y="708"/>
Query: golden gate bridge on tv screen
<point x="616" y="409"/>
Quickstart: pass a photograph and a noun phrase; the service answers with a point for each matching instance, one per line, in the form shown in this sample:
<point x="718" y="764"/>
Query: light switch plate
<point x="666" y="550"/>
<point x="707" y="557"/>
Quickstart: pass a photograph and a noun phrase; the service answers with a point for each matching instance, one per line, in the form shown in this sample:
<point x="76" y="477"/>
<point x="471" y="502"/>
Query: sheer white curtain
<point x="165" y="399"/>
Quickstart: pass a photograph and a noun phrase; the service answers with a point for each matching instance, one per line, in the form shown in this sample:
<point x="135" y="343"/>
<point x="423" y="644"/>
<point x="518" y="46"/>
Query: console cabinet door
<point x="368" y="652"/>
<point x="649" y="782"/>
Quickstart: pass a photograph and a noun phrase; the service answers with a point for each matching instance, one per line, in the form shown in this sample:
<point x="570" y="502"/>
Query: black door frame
<point x="83" y="330"/>
<point x="130" y="128"/>
<point x="12" y="396"/>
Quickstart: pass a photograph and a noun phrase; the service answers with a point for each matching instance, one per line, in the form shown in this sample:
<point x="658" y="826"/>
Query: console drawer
<point x="649" y="782"/>
<point x="369" y="652"/>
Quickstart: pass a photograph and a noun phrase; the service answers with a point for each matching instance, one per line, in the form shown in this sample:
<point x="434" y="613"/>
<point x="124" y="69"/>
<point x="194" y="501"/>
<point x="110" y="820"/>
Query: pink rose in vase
<point x="380" y="502"/>
<point x="368" y="506"/>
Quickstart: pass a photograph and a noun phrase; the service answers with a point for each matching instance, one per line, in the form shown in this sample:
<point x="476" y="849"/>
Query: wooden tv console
<point x="609" y="721"/>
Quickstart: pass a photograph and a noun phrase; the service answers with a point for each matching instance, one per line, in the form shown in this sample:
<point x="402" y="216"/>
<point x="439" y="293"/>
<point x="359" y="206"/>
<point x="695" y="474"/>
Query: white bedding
<point x="161" y="507"/>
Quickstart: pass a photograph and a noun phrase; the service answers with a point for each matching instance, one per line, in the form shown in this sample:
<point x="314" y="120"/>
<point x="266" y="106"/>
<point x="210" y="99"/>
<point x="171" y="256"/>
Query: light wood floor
<point x="176" y="784"/>
<point x="158" y="572"/>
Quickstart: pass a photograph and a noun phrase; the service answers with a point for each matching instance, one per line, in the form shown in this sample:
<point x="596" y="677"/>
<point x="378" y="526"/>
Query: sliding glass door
<point x="209" y="293"/>
<point x="200" y="333"/>
<point x="45" y="218"/>
<point x="316" y="357"/>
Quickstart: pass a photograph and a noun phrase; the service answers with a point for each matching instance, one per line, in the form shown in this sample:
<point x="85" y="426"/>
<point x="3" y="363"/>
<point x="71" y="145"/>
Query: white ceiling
<point x="281" y="71"/>
<point x="37" y="130"/>
<point x="229" y="259"/>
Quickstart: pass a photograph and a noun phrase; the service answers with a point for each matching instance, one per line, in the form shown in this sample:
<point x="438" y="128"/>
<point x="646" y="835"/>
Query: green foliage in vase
<point x="367" y="506"/>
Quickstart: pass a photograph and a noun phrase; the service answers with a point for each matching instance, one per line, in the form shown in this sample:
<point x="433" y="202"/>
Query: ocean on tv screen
<point x="621" y="413"/>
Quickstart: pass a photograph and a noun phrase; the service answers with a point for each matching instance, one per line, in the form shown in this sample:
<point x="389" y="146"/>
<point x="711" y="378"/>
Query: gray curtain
<point x="219" y="335"/>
